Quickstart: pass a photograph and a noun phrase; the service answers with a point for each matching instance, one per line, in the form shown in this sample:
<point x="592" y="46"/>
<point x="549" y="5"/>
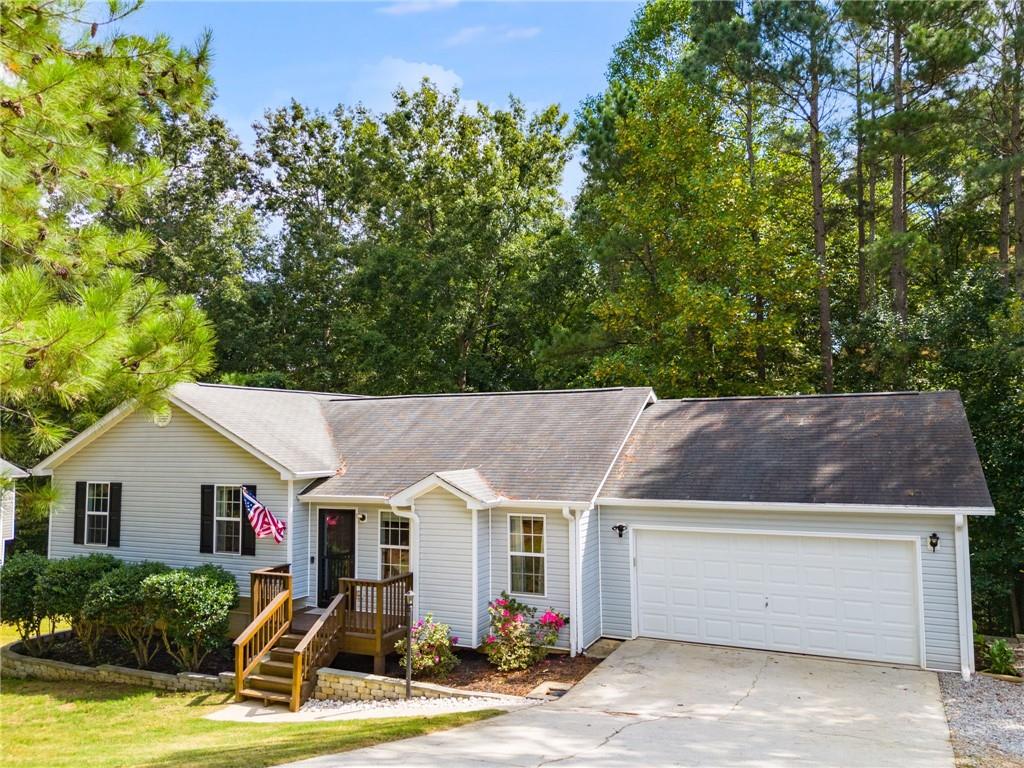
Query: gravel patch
<point x="415" y="706"/>
<point x="985" y="714"/>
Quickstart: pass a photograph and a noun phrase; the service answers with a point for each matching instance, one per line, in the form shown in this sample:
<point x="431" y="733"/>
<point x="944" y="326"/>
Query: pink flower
<point x="519" y="617"/>
<point x="491" y="639"/>
<point x="455" y="641"/>
<point x="500" y="601"/>
<point x="505" y="612"/>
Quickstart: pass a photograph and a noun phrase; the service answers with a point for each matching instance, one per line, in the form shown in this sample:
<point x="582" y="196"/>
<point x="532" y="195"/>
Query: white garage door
<point x="846" y="597"/>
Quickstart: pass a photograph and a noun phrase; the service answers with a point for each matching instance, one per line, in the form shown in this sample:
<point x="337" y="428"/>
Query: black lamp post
<point x="408" y="643"/>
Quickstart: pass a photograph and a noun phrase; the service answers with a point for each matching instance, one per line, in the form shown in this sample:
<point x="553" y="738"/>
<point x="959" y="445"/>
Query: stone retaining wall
<point x="18" y="665"/>
<point x="342" y="685"/>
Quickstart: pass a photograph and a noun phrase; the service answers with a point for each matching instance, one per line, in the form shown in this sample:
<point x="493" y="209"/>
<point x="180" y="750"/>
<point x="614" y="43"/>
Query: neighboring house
<point x="832" y="525"/>
<point x="9" y="473"/>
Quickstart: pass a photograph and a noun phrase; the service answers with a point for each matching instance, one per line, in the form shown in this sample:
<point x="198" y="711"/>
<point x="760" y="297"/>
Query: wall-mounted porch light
<point x="619" y="529"/>
<point x="933" y="541"/>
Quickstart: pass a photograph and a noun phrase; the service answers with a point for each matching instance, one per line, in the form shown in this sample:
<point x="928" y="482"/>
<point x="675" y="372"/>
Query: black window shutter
<point x="114" y="516"/>
<point x="206" y="519"/>
<point x="80" y="512"/>
<point x="248" y="534"/>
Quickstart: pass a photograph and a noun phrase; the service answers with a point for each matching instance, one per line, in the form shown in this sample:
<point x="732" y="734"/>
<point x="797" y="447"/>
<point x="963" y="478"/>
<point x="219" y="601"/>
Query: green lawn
<point x="81" y="724"/>
<point x="8" y="634"/>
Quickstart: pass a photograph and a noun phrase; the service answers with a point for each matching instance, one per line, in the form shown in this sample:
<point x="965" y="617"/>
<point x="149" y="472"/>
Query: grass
<point x="77" y="724"/>
<point x="8" y="634"/>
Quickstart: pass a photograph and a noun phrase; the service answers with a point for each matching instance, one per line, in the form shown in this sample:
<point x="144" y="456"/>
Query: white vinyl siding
<point x="938" y="569"/>
<point x="7" y="502"/>
<point x="483" y="555"/>
<point x="162" y="470"/>
<point x="444" y="567"/>
<point x="590" y="598"/>
<point x="556" y="545"/>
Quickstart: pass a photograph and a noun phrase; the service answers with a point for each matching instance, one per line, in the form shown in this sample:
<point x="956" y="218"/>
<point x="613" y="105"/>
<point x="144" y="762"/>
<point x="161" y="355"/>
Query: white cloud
<point x="406" y="7"/>
<point x="472" y="34"/>
<point x="521" y="33"/>
<point x="375" y="83"/>
<point x="464" y="35"/>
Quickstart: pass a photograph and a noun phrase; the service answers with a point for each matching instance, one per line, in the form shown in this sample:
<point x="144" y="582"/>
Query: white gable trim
<point x="770" y="506"/>
<point x="651" y="398"/>
<point x="406" y="496"/>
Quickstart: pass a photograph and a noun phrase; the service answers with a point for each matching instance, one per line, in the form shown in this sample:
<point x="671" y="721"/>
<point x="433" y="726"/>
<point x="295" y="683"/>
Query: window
<point x="97" y="513"/>
<point x="394" y="544"/>
<point x="227" y="520"/>
<point x="526" y="554"/>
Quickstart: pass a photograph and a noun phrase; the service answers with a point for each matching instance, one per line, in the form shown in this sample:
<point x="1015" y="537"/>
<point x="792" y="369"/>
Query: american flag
<point x="262" y="519"/>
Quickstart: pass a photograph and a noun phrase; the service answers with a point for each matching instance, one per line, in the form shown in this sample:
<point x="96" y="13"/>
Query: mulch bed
<point x="111" y="651"/>
<point x="475" y="673"/>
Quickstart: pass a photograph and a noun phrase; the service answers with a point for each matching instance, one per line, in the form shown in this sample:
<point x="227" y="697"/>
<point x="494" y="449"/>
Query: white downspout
<point x="574" y="614"/>
<point x="963" y="593"/>
<point x="289" y="539"/>
<point x="475" y="568"/>
<point x="415" y="556"/>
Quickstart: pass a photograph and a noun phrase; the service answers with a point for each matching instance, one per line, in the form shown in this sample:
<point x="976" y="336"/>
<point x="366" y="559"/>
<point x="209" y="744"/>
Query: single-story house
<point x="830" y="525"/>
<point x="9" y="473"/>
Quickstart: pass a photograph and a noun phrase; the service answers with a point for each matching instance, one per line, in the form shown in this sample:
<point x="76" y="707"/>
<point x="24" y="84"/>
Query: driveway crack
<point x="605" y="740"/>
<point x="750" y="690"/>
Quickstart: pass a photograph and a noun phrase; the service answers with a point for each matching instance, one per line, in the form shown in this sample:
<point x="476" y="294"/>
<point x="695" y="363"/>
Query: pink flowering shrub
<point x="431" y="648"/>
<point x="517" y="639"/>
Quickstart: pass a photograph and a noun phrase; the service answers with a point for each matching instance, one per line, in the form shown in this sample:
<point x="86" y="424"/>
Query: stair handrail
<point x="265" y="584"/>
<point x="260" y="636"/>
<point x="318" y="646"/>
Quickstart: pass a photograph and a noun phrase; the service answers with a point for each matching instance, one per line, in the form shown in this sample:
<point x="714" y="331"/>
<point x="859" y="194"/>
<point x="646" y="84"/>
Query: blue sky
<point x="323" y="54"/>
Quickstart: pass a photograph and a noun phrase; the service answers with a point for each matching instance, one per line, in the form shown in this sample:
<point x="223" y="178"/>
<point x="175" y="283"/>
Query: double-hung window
<point x="394" y="544"/>
<point x="227" y="520"/>
<point x="526" y="554"/>
<point x="97" y="513"/>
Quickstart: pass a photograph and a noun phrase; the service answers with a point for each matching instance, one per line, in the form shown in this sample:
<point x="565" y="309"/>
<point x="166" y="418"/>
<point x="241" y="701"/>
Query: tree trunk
<point x="1005" y="201"/>
<point x="862" y="266"/>
<point x="824" y="310"/>
<point x="755" y="234"/>
<point x="898" y="271"/>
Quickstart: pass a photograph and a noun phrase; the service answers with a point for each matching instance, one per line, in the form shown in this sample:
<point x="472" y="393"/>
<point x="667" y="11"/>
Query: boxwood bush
<point x="62" y="589"/>
<point x="116" y="601"/>
<point x="19" y="576"/>
<point x="191" y="607"/>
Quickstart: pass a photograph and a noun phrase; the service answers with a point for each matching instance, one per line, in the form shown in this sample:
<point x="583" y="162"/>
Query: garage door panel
<point x="832" y="596"/>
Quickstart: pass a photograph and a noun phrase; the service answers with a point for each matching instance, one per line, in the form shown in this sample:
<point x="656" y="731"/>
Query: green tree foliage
<point x="116" y="601"/>
<point x="62" y="589"/>
<point x="19" y="576"/>
<point x="82" y="331"/>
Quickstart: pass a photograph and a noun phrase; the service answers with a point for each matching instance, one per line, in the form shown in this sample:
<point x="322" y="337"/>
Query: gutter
<point x="574" y="581"/>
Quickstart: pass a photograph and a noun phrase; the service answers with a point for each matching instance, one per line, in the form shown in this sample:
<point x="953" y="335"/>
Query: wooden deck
<point x="277" y="654"/>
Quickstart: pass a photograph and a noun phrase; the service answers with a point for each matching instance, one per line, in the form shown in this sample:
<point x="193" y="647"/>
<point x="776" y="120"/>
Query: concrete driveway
<point x="655" y="703"/>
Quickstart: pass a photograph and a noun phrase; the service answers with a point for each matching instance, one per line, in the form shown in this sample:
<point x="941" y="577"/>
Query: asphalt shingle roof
<point x="889" y="449"/>
<point x="555" y="445"/>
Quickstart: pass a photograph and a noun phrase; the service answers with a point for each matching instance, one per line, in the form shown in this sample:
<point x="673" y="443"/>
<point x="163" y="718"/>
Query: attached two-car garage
<point x="844" y="596"/>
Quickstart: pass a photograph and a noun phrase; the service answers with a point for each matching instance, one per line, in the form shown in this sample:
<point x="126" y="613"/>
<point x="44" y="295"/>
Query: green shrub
<point x="431" y="648"/>
<point x="115" y="600"/>
<point x="61" y="592"/>
<point x="192" y="608"/>
<point x="1000" y="658"/>
<point x="19" y="576"/>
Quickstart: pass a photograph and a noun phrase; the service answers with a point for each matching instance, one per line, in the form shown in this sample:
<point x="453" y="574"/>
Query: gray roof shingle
<point x="910" y="448"/>
<point x="553" y="445"/>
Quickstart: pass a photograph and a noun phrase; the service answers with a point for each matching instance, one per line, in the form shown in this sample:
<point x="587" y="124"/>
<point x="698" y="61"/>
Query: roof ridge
<point x="219" y="385"/>
<point x="503" y="393"/>
<point x="809" y="396"/>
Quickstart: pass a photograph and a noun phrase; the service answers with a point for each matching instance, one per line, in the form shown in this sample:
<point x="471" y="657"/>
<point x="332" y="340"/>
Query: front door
<point x="337" y="550"/>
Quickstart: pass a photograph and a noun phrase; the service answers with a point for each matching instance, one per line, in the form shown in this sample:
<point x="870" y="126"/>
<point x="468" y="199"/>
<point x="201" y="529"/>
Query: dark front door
<point x="337" y="550"/>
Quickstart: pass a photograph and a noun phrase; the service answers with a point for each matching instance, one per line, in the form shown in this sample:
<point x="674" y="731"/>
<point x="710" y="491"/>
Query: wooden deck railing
<point x="375" y="606"/>
<point x="318" y="646"/>
<point x="261" y="635"/>
<point x="266" y="584"/>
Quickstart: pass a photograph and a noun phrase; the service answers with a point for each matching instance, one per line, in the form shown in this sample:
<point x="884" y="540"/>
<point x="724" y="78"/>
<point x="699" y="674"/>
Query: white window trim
<point x="106" y="515"/>
<point x="408" y="548"/>
<point x="543" y="555"/>
<point x="216" y="518"/>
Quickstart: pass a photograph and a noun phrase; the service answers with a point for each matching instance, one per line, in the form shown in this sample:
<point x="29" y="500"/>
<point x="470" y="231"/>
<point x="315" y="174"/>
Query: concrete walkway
<point x="654" y="703"/>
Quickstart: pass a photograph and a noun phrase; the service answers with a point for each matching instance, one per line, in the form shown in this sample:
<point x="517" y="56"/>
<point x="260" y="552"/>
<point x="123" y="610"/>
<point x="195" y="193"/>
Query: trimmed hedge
<point x="97" y="594"/>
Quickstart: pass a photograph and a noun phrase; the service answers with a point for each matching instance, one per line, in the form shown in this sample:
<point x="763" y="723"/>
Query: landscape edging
<point x="344" y="685"/>
<point x="29" y="667"/>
